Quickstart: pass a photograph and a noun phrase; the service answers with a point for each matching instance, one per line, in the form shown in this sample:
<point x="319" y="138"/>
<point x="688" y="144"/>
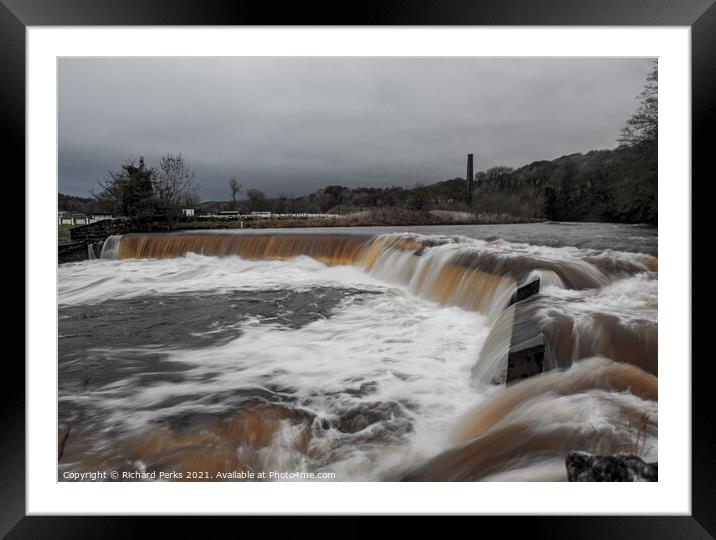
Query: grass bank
<point x="63" y="232"/>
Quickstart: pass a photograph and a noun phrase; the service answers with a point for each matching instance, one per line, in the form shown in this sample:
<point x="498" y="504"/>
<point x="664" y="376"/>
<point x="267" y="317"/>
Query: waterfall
<point x="110" y="248"/>
<point x="473" y="275"/>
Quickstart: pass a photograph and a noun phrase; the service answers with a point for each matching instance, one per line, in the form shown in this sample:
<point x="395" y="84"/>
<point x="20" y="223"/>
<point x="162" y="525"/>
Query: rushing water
<point x="369" y="354"/>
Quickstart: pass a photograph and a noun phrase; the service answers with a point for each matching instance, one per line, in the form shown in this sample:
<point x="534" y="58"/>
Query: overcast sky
<point x="292" y="125"/>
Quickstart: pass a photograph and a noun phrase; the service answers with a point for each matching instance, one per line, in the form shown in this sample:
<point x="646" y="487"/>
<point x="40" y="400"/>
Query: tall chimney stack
<point x="469" y="176"/>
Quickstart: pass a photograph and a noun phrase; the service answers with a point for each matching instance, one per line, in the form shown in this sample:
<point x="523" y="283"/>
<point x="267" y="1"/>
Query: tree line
<point x="617" y="185"/>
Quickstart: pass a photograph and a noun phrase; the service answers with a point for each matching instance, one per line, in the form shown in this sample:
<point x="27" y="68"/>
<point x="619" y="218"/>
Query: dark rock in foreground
<point x="584" y="467"/>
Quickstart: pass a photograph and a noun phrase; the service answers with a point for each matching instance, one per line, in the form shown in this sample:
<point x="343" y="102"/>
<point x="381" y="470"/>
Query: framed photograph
<point x="283" y="262"/>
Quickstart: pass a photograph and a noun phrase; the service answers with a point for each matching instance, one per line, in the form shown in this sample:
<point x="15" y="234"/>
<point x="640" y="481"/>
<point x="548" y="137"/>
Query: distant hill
<point x="81" y="205"/>
<point x="618" y="185"/>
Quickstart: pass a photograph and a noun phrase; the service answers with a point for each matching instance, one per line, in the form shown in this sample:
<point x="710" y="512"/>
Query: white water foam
<point x="95" y="281"/>
<point x="408" y="350"/>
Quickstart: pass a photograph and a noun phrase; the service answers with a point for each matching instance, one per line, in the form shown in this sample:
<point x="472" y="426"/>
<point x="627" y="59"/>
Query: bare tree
<point x="174" y="187"/>
<point x="235" y="188"/>
<point x="643" y="125"/>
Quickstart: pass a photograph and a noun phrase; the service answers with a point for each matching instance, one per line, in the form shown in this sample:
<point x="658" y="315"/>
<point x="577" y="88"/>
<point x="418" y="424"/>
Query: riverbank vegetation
<point x="63" y="232"/>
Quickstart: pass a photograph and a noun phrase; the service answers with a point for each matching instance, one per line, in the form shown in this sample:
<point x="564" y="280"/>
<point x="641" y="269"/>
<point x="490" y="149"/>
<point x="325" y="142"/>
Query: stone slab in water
<point x="525" y="291"/>
<point x="526" y="360"/>
<point x="585" y="467"/>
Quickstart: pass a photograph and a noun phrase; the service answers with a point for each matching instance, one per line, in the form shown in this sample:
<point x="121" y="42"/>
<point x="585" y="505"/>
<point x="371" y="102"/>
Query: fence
<point x="80" y="220"/>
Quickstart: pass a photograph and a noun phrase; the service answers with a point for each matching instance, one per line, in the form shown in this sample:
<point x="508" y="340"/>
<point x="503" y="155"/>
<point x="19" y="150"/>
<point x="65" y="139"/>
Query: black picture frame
<point x="699" y="15"/>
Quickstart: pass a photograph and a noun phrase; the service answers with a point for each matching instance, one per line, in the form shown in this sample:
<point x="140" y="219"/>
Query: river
<point x="363" y="354"/>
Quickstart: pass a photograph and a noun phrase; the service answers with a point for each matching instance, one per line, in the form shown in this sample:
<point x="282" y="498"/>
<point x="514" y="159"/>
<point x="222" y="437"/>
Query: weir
<point x="432" y="272"/>
<point x="527" y="336"/>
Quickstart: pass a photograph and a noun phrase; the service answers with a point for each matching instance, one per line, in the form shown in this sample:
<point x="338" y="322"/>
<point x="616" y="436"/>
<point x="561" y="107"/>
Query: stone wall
<point x="72" y="252"/>
<point x="77" y="249"/>
<point x="99" y="231"/>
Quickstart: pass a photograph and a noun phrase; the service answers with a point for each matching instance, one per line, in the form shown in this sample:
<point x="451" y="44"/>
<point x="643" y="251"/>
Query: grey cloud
<point x="292" y="125"/>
